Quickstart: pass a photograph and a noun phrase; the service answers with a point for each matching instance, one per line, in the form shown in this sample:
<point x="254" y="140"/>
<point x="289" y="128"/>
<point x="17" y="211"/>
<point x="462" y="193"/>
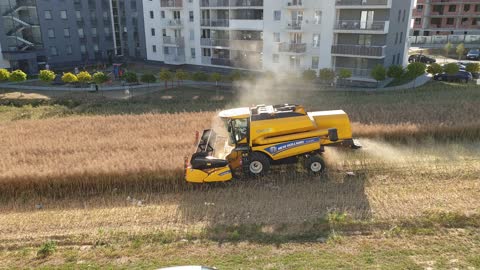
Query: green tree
<point x="447" y="48"/>
<point x="473" y="67"/>
<point x="309" y="75"/>
<point x="216" y="77"/>
<point x="46" y="75"/>
<point x="181" y="75"/>
<point x="460" y="50"/>
<point x="344" y="73"/>
<point x="69" y="78"/>
<point x="451" y="68"/>
<point x="17" y="76"/>
<point x="100" y="78"/>
<point x="379" y="73"/>
<point x="395" y="71"/>
<point x="326" y="75"/>
<point x="148" y="78"/>
<point x="166" y="76"/>
<point x="130" y="77"/>
<point x="4" y="75"/>
<point x="434" y="69"/>
<point x="84" y="77"/>
<point x="414" y="70"/>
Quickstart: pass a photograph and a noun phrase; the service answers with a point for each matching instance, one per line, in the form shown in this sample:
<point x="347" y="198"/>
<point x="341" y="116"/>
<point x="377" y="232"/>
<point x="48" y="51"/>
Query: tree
<point x="309" y="75"/>
<point x="451" y="68"/>
<point x="181" y="75"/>
<point x="100" y="78"/>
<point x="148" y="78"/>
<point x="344" y="73"/>
<point x="4" y="75"/>
<point x="460" y="50"/>
<point x="414" y="70"/>
<point x="46" y="75"/>
<point x="216" y="77"/>
<point x="69" y="78"/>
<point x="236" y="75"/>
<point x="17" y="76"/>
<point x="166" y="76"/>
<point x="434" y="69"/>
<point x="447" y="48"/>
<point x="473" y="67"/>
<point x="395" y="71"/>
<point x="379" y="73"/>
<point x="84" y="77"/>
<point x="130" y="77"/>
<point x="326" y="75"/>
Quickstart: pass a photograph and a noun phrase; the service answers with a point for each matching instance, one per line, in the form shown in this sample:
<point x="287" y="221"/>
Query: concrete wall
<point x="3" y="62"/>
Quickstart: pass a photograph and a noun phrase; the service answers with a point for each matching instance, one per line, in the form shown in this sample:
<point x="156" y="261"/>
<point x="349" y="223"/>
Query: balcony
<point x="212" y="42"/>
<point x="174" y="59"/>
<point x="231" y="3"/>
<point x="361" y="4"/>
<point x="296" y="48"/>
<point x="172" y="41"/>
<point x="376" y="52"/>
<point x="356" y="72"/>
<point x="171" y="3"/>
<point x="294" y="25"/>
<point x="175" y="23"/>
<point x="362" y="27"/>
<point x="294" y="4"/>
<point x="215" y="23"/>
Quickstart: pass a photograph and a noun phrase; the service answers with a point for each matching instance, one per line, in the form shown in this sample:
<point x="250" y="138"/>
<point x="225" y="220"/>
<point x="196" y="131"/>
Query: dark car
<point x="421" y="58"/>
<point x="473" y="54"/>
<point x="461" y="76"/>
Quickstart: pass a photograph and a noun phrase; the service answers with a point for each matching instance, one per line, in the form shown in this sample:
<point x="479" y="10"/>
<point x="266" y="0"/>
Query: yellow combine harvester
<point x="259" y="137"/>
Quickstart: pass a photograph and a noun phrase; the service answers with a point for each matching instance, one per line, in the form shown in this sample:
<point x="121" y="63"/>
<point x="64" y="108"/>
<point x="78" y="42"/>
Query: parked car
<point x="461" y="76"/>
<point x="473" y="54"/>
<point x="421" y="58"/>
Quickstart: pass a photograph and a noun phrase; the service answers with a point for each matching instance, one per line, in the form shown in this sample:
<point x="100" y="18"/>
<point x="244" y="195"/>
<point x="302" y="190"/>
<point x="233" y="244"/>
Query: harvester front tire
<point x="315" y="165"/>
<point x="259" y="164"/>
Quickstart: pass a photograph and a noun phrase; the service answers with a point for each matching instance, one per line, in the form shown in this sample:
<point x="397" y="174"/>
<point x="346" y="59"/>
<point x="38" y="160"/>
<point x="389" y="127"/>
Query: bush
<point x="451" y="68"/>
<point x="4" y="75"/>
<point x="69" y="78"/>
<point x="415" y="69"/>
<point x="181" y="75"/>
<point x="100" y="78"/>
<point x="215" y="77"/>
<point x="379" y="73"/>
<point x="395" y="71"/>
<point x="309" y="75"/>
<point x="130" y="77"/>
<point x="84" y="77"/>
<point x="46" y="75"/>
<point x="236" y="75"/>
<point x="47" y="249"/>
<point x="200" y="76"/>
<point x="434" y="69"/>
<point x="473" y="67"/>
<point x="326" y="75"/>
<point x="344" y="74"/>
<point x="165" y="75"/>
<point x="17" y="76"/>
<point x="148" y="78"/>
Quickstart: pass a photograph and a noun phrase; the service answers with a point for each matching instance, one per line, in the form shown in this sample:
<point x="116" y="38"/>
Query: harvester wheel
<point x="258" y="164"/>
<point x="315" y="165"/>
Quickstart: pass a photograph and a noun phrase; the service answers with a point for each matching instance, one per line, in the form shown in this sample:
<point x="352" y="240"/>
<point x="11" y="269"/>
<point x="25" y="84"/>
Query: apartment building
<point x="67" y="33"/>
<point x="278" y="35"/>
<point x="436" y="22"/>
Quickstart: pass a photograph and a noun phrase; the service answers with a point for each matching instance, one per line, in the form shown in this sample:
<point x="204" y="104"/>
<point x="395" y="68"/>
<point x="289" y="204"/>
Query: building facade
<point x="67" y="33"/>
<point x="278" y="35"/>
<point x="436" y="22"/>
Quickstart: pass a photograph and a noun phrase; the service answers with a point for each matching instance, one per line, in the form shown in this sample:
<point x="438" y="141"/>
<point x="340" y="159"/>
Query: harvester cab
<point x="262" y="136"/>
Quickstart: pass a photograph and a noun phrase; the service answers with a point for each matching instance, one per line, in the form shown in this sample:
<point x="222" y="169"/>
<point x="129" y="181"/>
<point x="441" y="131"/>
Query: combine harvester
<point x="262" y="136"/>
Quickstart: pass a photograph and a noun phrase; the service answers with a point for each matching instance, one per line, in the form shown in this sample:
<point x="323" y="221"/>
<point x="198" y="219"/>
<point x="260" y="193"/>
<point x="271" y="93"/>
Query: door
<point x="366" y="20"/>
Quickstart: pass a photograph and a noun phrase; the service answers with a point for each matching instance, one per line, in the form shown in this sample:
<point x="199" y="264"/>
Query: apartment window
<point x="154" y="48"/>
<point x="63" y="14"/>
<point x="152" y="14"/>
<point x="192" y="35"/>
<point x="450" y="21"/>
<point x="53" y="51"/>
<point x="164" y="32"/>
<point x="81" y="33"/>
<point x="401" y="37"/>
<point x="419" y="7"/>
<point x="398" y="59"/>
<point x="133" y="5"/>
<point x="162" y="14"/>
<point x="396" y="38"/>
<point x="165" y="50"/>
<point x="95" y="47"/>
<point x="276" y="58"/>
<point x="192" y="52"/>
<point x="105" y="15"/>
<point x="277" y="15"/>
<point x="206" y="52"/>
<point x="477" y="8"/>
<point x="78" y="15"/>
<point x="316" y="40"/>
<point x="318" y="17"/>
<point x="48" y="14"/>
<point x="365" y="40"/>
<point x="83" y="49"/>
<point x="399" y="15"/>
<point x="66" y="32"/>
<point x="94" y="32"/>
<point x="418" y="21"/>
<point x="51" y="33"/>
<point x="315" y="62"/>
<point x="69" y="50"/>
<point x="276" y="37"/>
<point x="404" y="15"/>
<point x="394" y="59"/>
<point x="190" y="15"/>
<point x="106" y="30"/>
<point x="452" y="8"/>
<point x="153" y="32"/>
<point x="466" y="7"/>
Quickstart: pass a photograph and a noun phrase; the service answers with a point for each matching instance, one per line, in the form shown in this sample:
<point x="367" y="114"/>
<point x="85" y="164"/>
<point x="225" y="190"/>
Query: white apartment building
<point x="278" y="35"/>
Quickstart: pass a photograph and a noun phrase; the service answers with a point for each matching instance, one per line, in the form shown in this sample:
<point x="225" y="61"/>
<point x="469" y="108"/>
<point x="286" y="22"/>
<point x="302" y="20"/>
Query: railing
<point x="206" y="60"/>
<point x="173" y="41"/>
<point x="440" y="40"/>
<point x="356" y="72"/>
<point x="231" y="3"/>
<point x="175" y="23"/>
<point x="360" y="25"/>
<point x="215" y="23"/>
<point x="175" y="58"/>
<point x="294" y="3"/>
<point x="171" y="3"/>
<point x="292" y="47"/>
<point x="362" y="2"/>
<point x="215" y="42"/>
<point x="294" y="25"/>
<point x="374" y="51"/>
